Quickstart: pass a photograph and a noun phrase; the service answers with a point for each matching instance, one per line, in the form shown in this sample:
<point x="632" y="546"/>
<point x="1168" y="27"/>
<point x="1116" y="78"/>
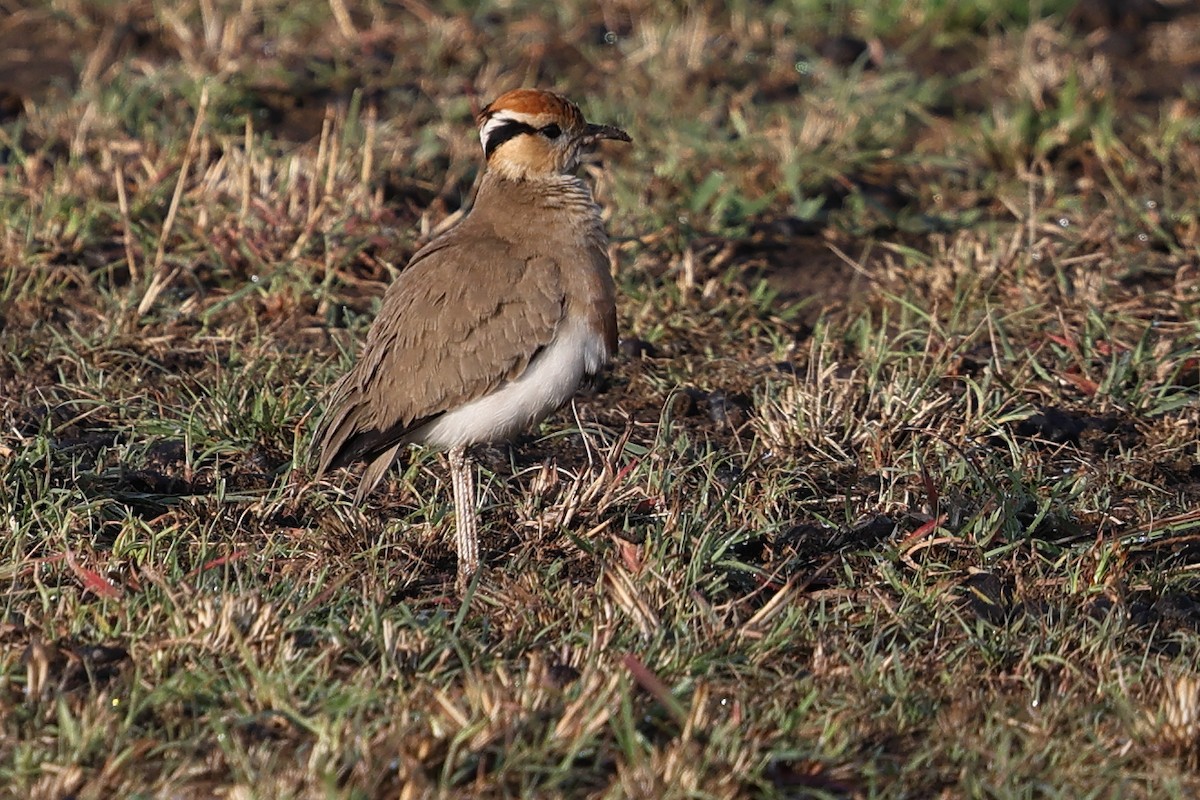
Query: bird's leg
<point x="462" y="475"/>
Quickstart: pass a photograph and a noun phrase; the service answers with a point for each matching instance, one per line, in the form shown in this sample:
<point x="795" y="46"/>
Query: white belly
<point x="547" y="383"/>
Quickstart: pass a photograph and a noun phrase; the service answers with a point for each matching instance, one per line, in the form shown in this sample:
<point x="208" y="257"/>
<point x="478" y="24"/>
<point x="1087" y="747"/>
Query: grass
<point x="891" y="492"/>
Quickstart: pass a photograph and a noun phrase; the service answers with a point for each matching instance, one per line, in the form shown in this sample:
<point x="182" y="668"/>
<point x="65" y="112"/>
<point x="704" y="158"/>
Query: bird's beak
<point x="594" y="133"/>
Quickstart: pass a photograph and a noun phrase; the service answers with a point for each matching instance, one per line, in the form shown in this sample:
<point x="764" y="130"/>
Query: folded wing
<point x="449" y="331"/>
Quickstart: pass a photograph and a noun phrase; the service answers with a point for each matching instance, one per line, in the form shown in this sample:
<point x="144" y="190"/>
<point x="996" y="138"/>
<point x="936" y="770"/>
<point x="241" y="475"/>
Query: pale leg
<point x="466" y="540"/>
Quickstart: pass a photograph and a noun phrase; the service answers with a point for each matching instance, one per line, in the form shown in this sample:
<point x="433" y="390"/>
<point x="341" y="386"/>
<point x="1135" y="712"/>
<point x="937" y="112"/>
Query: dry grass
<point x="891" y="493"/>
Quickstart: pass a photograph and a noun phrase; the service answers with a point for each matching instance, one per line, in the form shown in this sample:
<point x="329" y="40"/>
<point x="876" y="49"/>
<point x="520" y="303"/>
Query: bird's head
<point x="530" y="133"/>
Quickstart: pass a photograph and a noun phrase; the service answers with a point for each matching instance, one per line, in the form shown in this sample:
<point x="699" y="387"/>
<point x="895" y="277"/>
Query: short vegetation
<point x="893" y="490"/>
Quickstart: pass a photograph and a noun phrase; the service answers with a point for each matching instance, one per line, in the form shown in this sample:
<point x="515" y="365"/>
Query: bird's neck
<point x="566" y="194"/>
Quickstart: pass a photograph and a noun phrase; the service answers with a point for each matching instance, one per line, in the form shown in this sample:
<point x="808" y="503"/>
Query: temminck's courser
<point x="494" y="324"/>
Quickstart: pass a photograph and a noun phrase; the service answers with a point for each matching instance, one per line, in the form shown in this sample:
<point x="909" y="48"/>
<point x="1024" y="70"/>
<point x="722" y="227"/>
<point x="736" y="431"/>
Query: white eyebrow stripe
<point x="500" y="119"/>
<point x="486" y="131"/>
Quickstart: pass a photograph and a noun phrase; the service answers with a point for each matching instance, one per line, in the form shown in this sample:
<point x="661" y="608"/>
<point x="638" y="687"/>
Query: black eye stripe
<point x="502" y="133"/>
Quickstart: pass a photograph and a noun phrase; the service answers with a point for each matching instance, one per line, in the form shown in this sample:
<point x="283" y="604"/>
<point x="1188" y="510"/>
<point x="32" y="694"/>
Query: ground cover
<point x="891" y="492"/>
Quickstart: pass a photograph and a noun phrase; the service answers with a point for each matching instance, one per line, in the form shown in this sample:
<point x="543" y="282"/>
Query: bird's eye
<point x="551" y="131"/>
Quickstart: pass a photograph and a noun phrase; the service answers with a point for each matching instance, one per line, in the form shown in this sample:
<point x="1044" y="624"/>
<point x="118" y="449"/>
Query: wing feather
<point x="451" y="329"/>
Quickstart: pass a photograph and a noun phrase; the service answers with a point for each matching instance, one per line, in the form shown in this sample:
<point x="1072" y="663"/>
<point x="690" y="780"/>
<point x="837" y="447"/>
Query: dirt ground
<point x="890" y="491"/>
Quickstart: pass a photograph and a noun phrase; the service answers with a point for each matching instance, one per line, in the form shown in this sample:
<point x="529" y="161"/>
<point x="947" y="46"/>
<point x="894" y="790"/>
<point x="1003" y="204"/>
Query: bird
<point x="493" y="324"/>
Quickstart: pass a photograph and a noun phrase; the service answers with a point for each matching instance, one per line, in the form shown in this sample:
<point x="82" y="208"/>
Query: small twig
<point x="587" y="444"/>
<point x="163" y="275"/>
<point x="327" y="151"/>
<point x="247" y="171"/>
<point x="342" y="17"/>
<point x="368" y="161"/>
<point x="126" y="222"/>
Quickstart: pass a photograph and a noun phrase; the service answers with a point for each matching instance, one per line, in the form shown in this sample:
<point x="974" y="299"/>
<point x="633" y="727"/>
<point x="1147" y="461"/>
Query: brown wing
<point x="451" y="329"/>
